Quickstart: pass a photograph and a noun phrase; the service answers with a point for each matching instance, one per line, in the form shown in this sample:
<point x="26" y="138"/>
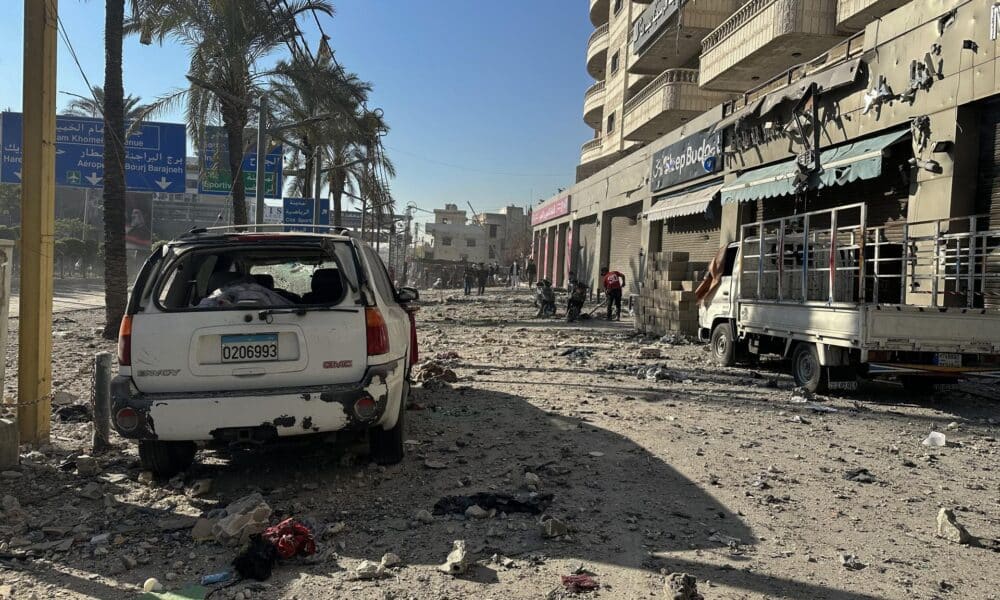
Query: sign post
<point x="154" y="154"/>
<point x="215" y="178"/>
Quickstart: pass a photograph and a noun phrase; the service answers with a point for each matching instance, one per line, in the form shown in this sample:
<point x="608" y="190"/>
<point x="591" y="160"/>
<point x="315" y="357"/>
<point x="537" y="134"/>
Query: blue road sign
<point x="300" y="211"/>
<point x="215" y="179"/>
<point x="154" y="154"/>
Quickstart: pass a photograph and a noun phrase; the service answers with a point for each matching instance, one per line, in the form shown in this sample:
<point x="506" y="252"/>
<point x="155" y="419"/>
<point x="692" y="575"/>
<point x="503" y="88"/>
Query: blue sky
<point x="484" y="98"/>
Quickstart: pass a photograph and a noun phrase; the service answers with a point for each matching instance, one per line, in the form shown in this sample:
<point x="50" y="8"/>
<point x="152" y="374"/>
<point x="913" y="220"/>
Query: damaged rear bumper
<point x="255" y="415"/>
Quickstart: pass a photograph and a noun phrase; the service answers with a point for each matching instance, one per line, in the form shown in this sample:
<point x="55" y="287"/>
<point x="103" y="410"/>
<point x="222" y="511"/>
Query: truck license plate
<point x="948" y="359"/>
<point x="258" y="347"/>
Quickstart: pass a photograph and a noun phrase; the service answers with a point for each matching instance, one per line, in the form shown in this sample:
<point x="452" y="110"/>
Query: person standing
<point x="482" y="274"/>
<point x="531" y="270"/>
<point x="468" y="276"/>
<point x="514" y="275"/>
<point x="613" y="282"/>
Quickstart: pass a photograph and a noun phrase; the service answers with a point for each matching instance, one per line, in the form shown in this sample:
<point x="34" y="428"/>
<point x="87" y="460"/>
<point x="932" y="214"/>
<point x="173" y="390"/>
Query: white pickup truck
<point x="917" y="302"/>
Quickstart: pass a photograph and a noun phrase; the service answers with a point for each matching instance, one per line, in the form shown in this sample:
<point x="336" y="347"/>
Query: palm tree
<point x="93" y="106"/>
<point x="226" y="39"/>
<point x="322" y="100"/>
<point x="358" y="162"/>
<point x="113" y="110"/>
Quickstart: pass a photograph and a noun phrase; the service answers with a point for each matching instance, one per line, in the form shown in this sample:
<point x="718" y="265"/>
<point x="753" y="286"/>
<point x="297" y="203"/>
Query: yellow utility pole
<point x="38" y="200"/>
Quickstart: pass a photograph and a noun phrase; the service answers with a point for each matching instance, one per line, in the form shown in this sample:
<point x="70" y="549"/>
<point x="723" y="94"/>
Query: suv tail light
<point x="125" y="342"/>
<point x="376" y="332"/>
<point x="414" y="350"/>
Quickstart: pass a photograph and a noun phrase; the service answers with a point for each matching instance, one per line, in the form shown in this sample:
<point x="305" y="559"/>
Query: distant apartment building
<point x="709" y="115"/>
<point x="488" y="237"/>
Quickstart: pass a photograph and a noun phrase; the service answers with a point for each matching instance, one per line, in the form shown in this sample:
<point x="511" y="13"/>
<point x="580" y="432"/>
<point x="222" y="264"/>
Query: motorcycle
<point x="545" y="299"/>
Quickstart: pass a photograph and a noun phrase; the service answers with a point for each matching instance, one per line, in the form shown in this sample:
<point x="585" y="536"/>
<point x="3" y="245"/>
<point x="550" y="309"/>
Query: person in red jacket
<point x="613" y="282"/>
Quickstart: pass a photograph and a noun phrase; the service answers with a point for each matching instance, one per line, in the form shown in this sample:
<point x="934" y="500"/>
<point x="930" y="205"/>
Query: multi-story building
<point x="454" y="238"/>
<point x="711" y="114"/>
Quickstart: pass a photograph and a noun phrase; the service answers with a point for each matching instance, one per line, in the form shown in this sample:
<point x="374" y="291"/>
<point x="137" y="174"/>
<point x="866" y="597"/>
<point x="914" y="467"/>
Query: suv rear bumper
<point x="254" y="414"/>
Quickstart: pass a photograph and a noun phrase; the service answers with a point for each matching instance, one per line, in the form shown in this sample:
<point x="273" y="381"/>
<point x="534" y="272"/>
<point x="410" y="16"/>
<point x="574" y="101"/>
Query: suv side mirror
<point x="407" y="294"/>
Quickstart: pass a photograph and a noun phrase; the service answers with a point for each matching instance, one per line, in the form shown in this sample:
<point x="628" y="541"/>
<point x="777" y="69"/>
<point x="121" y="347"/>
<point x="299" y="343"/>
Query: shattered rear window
<point x="232" y="277"/>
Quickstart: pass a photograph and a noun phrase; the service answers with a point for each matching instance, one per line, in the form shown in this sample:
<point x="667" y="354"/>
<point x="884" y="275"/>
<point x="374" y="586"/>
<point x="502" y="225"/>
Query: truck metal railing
<point x="832" y="258"/>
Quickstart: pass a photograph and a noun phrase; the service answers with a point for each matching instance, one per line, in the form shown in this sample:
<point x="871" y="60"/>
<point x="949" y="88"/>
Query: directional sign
<point x="300" y="211"/>
<point x="215" y="177"/>
<point x="154" y="154"/>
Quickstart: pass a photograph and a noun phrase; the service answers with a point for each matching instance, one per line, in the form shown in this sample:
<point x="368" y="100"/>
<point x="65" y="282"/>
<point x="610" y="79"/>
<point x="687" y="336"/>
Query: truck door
<point x="720" y="303"/>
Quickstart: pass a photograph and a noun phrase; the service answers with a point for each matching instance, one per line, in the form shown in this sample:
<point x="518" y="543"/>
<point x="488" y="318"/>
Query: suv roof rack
<point x="266" y="227"/>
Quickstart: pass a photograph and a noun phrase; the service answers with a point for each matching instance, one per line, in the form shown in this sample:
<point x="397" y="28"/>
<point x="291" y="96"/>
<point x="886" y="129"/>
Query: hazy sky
<point x="484" y="98"/>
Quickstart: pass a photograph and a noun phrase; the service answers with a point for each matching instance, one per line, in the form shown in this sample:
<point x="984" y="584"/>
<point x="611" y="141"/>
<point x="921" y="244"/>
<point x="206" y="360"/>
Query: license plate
<point x="948" y="359"/>
<point x="258" y="347"/>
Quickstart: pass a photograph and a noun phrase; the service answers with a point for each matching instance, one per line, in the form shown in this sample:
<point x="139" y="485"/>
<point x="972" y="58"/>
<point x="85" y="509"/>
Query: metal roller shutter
<point x="988" y="186"/>
<point x="625" y="239"/>
<point x="586" y="249"/>
<point x="694" y="234"/>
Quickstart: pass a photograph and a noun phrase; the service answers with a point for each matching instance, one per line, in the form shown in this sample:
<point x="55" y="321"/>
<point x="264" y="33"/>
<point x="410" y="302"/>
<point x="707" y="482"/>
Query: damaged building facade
<point x="823" y="103"/>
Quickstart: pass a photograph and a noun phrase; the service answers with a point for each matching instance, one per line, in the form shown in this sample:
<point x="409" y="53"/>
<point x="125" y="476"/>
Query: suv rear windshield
<point x="253" y="276"/>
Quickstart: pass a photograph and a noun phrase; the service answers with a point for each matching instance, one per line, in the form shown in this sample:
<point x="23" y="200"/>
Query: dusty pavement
<point x="724" y="474"/>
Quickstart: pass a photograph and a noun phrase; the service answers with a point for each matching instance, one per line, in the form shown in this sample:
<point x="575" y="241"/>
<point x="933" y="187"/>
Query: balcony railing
<point x="600" y="31"/>
<point x="597" y="50"/>
<point x="594" y="89"/>
<point x="591" y="145"/>
<point x="737" y="20"/>
<point x="667" y="77"/>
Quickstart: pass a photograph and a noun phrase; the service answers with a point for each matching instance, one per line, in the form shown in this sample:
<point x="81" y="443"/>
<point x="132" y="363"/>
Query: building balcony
<point x="597" y="52"/>
<point x="853" y="15"/>
<point x="764" y="38"/>
<point x="599" y="10"/>
<point x="657" y="45"/>
<point x="591" y="150"/>
<point x="593" y="105"/>
<point x="666" y="103"/>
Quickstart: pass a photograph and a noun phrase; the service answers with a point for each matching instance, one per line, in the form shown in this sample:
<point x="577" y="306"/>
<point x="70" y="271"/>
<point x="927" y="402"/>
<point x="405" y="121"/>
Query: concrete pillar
<point x="560" y="255"/>
<point x="9" y="444"/>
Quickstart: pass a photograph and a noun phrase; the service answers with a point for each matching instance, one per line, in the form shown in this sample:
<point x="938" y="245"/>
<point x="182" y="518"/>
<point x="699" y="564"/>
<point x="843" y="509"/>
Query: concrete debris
<point x="91" y="491"/>
<point x="434" y="371"/>
<point x="12" y="512"/>
<point x="553" y="528"/>
<point x="435" y="464"/>
<point x="390" y="560"/>
<point x="152" y="585"/>
<point x="367" y="570"/>
<point x="458" y="561"/>
<point x="335" y="528"/>
<point x="935" y="439"/>
<point x="202" y="529"/>
<point x="244" y="517"/>
<point x="477" y="512"/>
<point x="200" y="488"/>
<point x="424" y="517"/>
<point x="651" y="352"/>
<point x="532" y="482"/>
<point x="950" y="529"/>
<point x="851" y="562"/>
<point x="87" y="465"/>
<point x="860" y="475"/>
<point x="681" y="586"/>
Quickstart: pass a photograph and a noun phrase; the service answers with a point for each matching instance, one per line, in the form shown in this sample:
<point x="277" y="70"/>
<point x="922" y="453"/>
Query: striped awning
<point x="679" y="205"/>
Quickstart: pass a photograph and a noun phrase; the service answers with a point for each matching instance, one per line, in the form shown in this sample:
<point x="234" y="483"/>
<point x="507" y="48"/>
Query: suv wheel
<point x="386" y="445"/>
<point x="166" y="459"/>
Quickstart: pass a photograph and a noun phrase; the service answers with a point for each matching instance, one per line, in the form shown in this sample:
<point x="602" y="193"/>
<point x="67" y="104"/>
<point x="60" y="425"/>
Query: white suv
<point x="234" y="337"/>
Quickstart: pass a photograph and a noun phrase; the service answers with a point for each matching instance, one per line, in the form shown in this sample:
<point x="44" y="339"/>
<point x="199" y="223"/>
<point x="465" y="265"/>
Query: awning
<point x="825" y="81"/>
<point x="750" y="110"/>
<point x="680" y="205"/>
<point x="840" y="164"/>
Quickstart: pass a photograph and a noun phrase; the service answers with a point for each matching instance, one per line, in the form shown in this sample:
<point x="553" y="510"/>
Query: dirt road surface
<point x="655" y="466"/>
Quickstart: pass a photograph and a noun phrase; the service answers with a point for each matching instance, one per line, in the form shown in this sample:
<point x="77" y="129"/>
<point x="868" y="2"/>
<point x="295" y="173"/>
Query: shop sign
<point x="690" y="158"/>
<point x="552" y="210"/>
<point x="652" y="20"/>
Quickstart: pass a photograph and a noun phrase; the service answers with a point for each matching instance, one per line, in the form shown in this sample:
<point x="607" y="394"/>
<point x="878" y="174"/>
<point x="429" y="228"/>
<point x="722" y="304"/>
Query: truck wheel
<point x="723" y="345"/>
<point x="166" y="459"/>
<point x="386" y="445"/>
<point x="808" y="373"/>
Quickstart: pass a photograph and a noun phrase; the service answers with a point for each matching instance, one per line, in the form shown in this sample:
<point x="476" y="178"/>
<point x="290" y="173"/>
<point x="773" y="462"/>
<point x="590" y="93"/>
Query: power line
<point x="473" y="169"/>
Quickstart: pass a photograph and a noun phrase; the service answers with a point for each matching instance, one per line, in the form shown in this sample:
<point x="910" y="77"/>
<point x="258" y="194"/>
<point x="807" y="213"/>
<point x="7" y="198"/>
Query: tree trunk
<point x="337" y="182"/>
<point x="115" y="262"/>
<point x="234" y="119"/>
